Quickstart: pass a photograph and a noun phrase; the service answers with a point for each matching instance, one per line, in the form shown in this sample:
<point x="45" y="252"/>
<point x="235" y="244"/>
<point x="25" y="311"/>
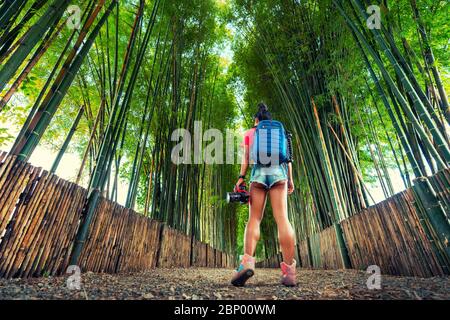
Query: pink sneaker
<point x="288" y="277"/>
<point x="245" y="271"/>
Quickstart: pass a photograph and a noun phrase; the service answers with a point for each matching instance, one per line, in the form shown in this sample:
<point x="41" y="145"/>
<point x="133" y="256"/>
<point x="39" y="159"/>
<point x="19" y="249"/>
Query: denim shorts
<point x="269" y="175"/>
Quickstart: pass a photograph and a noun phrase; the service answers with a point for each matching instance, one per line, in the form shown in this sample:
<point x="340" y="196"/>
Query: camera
<point x="239" y="195"/>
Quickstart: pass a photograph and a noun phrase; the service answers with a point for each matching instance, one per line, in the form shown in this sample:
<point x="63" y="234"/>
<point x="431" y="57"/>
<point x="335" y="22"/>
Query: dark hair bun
<point x="263" y="112"/>
<point x="262" y="107"/>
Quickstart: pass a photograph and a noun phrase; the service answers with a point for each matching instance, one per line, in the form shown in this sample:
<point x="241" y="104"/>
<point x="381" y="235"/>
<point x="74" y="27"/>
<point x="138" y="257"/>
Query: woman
<point x="277" y="182"/>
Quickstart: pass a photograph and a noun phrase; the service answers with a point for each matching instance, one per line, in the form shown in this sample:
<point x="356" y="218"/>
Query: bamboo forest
<point x="93" y="95"/>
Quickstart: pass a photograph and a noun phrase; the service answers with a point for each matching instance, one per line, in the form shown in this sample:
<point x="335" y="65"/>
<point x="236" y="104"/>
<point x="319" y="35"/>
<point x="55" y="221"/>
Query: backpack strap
<point x="289" y="143"/>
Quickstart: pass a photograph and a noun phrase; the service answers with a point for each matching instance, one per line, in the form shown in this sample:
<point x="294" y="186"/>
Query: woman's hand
<point x="238" y="183"/>
<point x="291" y="186"/>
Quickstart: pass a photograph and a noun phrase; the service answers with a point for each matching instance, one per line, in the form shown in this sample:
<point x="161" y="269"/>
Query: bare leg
<point x="278" y="200"/>
<point x="258" y="196"/>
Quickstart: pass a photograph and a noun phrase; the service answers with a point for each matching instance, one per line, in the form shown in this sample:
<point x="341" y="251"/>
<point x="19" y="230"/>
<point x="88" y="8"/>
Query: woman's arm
<point x="244" y="165"/>
<point x="291" y="187"/>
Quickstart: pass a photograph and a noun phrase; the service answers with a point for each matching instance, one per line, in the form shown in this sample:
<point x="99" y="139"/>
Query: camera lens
<point x="233" y="197"/>
<point x="237" y="197"/>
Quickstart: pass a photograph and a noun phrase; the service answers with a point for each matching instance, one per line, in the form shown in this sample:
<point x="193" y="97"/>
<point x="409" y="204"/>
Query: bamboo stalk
<point x="67" y="140"/>
<point x="53" y="13"/>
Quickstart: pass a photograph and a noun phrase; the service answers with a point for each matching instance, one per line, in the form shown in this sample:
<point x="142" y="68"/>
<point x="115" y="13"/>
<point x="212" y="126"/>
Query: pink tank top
<point x="249" y="136"/>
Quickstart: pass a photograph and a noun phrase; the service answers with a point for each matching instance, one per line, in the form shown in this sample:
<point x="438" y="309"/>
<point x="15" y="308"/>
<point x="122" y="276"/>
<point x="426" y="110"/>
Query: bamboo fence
<point x="119" y="240"/>
<point x="210" y="257"/>
<point x="40" y="215"/>
<point x="395" y="235"/>
<point x="441" y="183"/>
<point x="303" y="253"/>
<point x="175" y="249"/>
<point x="199" y="255"/>
<point x="390" y="235"/>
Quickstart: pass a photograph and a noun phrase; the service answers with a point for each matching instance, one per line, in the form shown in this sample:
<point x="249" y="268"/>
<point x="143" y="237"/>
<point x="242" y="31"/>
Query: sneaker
<point x="288" y="277"/>
<point x="245" y="271"/>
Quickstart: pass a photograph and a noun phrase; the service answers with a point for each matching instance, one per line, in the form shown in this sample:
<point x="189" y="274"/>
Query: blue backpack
<point x="270" y="143"/>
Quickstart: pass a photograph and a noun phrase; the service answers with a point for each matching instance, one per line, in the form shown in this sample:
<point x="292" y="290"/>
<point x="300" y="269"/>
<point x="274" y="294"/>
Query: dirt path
<point x="214" y="284"/>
